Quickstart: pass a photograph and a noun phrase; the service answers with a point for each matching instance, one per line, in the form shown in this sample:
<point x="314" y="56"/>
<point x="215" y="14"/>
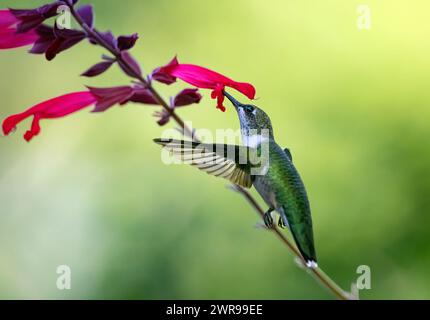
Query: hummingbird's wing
<point x="220" y="160"/>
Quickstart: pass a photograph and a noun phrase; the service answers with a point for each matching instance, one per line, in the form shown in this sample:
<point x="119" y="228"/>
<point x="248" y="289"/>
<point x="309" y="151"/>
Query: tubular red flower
<point x="9" y="38"/>
<point x="54" y="108"/>
<point x="7" y="19"/>
<point x="201" y="77"/>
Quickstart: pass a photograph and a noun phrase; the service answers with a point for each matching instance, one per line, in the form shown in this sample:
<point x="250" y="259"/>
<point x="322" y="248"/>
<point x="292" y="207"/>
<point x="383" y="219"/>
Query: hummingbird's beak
<point x="236" y="103"/>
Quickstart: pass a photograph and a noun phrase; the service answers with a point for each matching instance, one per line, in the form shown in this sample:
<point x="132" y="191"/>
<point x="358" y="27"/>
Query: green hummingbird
<point x="261" y="163"/>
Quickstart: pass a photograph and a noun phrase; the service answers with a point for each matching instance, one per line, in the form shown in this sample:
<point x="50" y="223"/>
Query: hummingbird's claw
<point x="281" y="223"/>
<point x="268" y="220"/>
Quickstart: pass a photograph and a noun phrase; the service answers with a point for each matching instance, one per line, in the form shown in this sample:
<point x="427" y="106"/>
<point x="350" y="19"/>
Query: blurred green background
<point x="352" y="105"/>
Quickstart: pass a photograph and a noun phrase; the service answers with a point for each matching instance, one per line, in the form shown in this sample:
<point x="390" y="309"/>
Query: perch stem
<point x="318" y="273"/>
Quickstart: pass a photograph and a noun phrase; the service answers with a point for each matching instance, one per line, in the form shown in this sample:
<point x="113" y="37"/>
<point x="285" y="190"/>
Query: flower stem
<point x="117" y="53"/>
<point x="325" y="280"/>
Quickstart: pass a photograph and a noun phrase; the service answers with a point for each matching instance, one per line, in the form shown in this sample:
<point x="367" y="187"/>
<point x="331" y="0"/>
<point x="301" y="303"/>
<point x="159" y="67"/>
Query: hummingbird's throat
<point x="254" y="140"/>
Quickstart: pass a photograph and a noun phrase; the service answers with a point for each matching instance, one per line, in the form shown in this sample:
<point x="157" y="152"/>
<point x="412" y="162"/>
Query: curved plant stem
<point x="325" y="280"/>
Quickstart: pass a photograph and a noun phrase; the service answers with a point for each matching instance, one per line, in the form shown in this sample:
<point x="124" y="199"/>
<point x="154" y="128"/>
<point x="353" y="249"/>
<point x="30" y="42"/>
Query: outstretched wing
<point x="221" y="160"/>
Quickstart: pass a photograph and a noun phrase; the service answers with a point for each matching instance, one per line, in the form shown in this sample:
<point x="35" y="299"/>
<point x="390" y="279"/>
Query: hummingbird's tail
<point x="310" y="257"/>
<point x="307" y="251"/>
<point x="311" y="264"/>
<point x="303" y="236"/>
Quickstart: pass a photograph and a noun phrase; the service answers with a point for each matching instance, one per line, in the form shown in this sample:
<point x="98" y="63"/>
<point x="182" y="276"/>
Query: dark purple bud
<point x="160" y="75"/>
<point x="163" y="78"/>
<point x="53" y="49"/>
<point x="32" y="18"/>
<point x="87" y="14"/>
<point x="60" y="45"/>
<point x="127" y="42"/>
<point x="164" y="117"/>
<point x="64" y="39"/>
<point x="46" y="37"/>
<point x="68" y="33"/>
<point x="109" y="38"/>
<point x="98" y="69"/>
<point x="144" y="96"/>
<point x="135" y="68"/>
<point x="70" y="42"/>
<point x="187" y="97"/>
<point x="108" y="97"/>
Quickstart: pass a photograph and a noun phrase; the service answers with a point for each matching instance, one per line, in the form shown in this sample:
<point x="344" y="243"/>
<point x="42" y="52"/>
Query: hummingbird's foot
<point x="281" y="223"/>
<point x="268" y="219"/>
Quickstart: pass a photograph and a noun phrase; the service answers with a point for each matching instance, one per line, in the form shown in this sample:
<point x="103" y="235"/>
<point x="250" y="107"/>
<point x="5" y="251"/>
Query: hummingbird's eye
<point x="249" y="108"/>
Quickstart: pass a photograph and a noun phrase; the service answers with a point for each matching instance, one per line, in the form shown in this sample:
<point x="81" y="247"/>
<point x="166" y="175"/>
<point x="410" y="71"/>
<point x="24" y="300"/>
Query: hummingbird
<point x="275" y="177"/>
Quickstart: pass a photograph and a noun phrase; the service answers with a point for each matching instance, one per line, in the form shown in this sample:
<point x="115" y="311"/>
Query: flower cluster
<point x="25" y="27"/>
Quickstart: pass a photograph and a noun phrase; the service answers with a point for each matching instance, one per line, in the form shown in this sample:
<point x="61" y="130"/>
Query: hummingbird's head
<point x="253" y="120"/>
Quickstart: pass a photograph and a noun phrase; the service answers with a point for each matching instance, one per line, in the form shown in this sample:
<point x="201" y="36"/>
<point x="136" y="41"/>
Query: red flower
<point x="9" y="38"/>
<point x="202" y="78"/>
<point x="54" y="108"/>
<point x="7" y="19"/>
<point x="102" y="98"/>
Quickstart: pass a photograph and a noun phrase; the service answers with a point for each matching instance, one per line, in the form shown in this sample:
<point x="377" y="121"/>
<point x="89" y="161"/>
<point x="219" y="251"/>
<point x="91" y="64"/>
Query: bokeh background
<point x="352" y="105"/>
